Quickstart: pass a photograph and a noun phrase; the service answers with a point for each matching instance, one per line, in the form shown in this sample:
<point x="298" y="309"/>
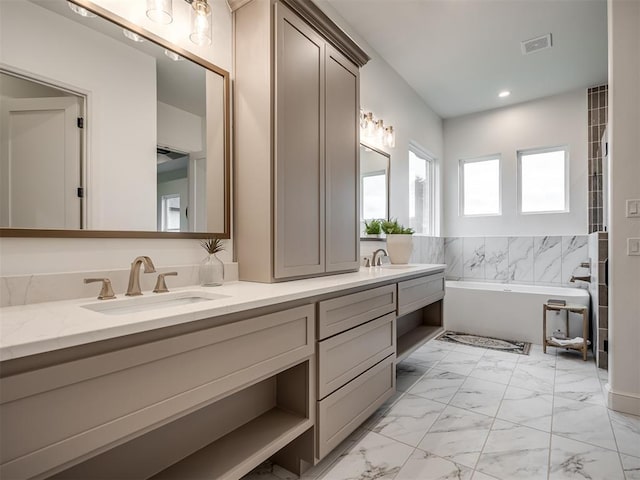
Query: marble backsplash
<point x="544" y="260"/>
<point x="27" y="289"/>
<point x="425" y="249"/>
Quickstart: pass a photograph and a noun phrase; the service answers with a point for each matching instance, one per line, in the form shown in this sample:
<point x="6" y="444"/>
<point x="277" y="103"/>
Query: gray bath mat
<point x="521" y="348"/>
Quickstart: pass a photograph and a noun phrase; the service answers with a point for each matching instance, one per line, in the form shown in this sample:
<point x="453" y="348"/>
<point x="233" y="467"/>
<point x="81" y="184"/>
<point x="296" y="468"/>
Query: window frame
<point x="461" y="164"/>
<point x="567" y="183"/>
<point x="423" y="154"/>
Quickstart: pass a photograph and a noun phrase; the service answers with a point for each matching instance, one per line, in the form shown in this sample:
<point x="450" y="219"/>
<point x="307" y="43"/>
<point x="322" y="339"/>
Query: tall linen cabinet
<point x="296" y="96"/>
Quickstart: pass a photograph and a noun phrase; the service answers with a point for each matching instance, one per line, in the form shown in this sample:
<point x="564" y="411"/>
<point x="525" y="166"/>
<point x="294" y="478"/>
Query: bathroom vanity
<point x="208" y="389"/>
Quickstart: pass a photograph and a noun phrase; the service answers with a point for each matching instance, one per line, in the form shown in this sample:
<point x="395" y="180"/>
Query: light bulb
<point x="379" y="131"/>
<point x="83" y="12"/>
<point x="160" y="11"/>
<point x="389" y="137"/>
<point x="200" y="23"/>
<point x="370" y="127"/>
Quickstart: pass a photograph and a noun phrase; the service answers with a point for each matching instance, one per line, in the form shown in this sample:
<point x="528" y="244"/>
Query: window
<point x="542" y="180"/>
<point x="421" y="191"/>
<point x="480" y="186"/>
<point x="374" y="194"/>
<point x="171" y="213"/>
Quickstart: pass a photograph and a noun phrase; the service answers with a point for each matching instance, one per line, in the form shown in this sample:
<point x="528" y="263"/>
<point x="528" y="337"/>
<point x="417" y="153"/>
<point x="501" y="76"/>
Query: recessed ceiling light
<point x="81" y="11"/>
<point x="504" y="93"/>
<point x="172" y="55"/>
<point x="132" y="36"/>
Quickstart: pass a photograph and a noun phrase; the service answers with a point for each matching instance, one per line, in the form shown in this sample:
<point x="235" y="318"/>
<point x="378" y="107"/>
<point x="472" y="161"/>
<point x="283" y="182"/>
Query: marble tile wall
<point x="425" y="249"/>
<point x="545" y="260"/>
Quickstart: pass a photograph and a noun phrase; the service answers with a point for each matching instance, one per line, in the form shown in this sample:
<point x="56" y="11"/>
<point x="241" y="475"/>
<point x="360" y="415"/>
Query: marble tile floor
<point x="485" y="415"/>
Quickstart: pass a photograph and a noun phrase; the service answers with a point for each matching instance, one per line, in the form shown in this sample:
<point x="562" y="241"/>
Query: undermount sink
<point x="151" y="302"/>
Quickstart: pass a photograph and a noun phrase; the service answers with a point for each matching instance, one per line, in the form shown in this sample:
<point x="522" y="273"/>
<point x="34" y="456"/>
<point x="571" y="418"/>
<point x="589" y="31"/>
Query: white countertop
<point x="42" y="327"/>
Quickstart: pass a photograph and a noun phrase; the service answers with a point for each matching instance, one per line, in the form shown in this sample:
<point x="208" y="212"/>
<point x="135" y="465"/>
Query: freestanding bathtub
<point x="508" y="311"/>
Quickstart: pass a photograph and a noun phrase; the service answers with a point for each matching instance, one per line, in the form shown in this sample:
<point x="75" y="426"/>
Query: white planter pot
<point x="399" y="248"/>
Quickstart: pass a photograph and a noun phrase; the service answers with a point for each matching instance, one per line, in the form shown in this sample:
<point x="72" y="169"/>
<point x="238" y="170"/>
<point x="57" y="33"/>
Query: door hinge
<point x="80" y="122"/>
<point x="80" y="192"/>
<point x="606" y="345"/>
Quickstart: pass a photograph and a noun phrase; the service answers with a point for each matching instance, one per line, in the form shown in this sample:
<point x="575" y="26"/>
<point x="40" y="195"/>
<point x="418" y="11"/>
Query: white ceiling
<point x="459" y="54"/>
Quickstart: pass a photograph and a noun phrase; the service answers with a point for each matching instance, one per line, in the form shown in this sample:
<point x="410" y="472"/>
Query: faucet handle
<point x="106" y="292"/>
<point x="161" y="285"/>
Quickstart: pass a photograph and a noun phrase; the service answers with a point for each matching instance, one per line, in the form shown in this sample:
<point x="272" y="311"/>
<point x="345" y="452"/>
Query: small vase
<point x="211" y="271"/>
<point x="399" y="248"/>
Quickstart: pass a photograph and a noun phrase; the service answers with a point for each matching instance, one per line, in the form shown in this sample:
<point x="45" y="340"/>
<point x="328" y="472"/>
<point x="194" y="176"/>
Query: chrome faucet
<point x="375" y="257"/>
<point x="134" y="275"/>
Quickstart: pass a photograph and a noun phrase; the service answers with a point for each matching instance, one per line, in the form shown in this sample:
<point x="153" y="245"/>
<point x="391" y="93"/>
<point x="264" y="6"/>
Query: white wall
<point x="179" y="129"/>
<point x="389" y="97"/>
<point x="22" y="256"/>
<point x="551" y="121"/>
<point x="119" y="82"/>
<point x="624" y="145"/>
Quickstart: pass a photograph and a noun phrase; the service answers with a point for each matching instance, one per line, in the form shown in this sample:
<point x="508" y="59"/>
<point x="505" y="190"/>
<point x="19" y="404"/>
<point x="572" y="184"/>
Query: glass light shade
<point x="83" y="12"/>
<point x="379" y="131"/>
<point x="370" y="125"/>
<point x="160" y="11"/>
<point x="389" y="137"/>
<point x="201" y="23"/>
<point x="132" y="36"/>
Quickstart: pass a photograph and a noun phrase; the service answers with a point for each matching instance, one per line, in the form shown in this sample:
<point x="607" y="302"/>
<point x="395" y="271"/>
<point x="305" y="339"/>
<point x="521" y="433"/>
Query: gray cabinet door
<point x="299" y="166"/>
<point x="342" y="165"/>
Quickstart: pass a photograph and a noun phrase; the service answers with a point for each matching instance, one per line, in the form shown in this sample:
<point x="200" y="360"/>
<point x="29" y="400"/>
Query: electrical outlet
<point x="633" y="208"/>
<point x="633" y="246"/>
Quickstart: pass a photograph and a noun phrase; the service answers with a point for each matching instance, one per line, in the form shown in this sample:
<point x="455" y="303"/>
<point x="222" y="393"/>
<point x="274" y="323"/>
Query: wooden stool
<point x="546" y="341"/>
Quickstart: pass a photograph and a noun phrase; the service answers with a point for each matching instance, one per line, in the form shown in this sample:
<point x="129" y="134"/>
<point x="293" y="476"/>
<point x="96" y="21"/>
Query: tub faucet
<point x="582" y="279"/>
<point x="134" y="275"/>
<point x="377" y="258"/>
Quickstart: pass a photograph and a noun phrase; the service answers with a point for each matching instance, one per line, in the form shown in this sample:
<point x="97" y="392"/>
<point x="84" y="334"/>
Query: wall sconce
<point x="374" y="130"/>
<point x="160" y="11"/>
<point x="200" y="22"/>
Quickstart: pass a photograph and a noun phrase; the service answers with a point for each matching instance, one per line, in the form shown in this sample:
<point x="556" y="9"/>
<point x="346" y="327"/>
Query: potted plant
<point x="399" y="241"/>
<point x="373" y="227"/>
<point x="211" y="268"/>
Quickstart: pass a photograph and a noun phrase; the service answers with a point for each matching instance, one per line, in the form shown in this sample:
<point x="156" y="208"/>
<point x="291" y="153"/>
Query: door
<point x="342" y="165"/>
<point x="40" y="163"/>
<point x="299" y="166"/>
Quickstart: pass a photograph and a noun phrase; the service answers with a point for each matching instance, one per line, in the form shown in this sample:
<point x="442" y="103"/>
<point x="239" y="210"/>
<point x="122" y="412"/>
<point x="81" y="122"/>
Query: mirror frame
<point x="226" y="234"/>
<point x="388" y="156"/>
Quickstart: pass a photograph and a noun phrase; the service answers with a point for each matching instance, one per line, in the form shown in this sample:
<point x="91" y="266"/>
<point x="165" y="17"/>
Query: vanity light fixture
<point x="373" y="130"/>
<point x="504" y="94"/>
<point x="160" y="11"/>
<point x="134" y="37"/>
<point x="172" y="55"/>
<point x="200" y="22"/>
<point x="83" y="12"/>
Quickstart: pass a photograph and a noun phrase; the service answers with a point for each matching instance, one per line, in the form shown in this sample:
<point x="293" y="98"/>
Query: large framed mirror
<point x="107" y="130"/>
<point x="374" y="185"/>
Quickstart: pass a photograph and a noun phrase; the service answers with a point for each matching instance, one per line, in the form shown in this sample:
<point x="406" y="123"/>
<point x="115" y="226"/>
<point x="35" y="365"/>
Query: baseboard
<point x="622" y="402"/>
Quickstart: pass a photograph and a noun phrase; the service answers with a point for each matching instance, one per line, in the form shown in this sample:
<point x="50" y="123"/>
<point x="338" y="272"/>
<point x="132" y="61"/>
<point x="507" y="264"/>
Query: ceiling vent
<point x="536" y="44"/>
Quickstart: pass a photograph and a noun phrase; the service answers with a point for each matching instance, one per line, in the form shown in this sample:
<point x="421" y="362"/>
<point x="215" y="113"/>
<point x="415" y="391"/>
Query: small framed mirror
<point x="374" y="187"/>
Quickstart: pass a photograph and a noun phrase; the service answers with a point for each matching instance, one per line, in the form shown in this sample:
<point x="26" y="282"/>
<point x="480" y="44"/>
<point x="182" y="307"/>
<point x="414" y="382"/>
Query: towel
<point x="569" y="341"/>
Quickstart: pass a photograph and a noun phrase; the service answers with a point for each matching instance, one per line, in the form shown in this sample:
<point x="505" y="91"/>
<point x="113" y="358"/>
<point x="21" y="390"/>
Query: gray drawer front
<point x="342" y="313"/>
<point x="419" y="292"/>
<point x="343" y="357"/>
<point x="343" y="411"/>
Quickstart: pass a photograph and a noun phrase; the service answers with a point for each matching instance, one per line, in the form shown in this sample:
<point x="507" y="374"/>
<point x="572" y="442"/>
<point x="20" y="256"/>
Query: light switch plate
<point x="633" y="246"/>
<point x="633" y="208"/>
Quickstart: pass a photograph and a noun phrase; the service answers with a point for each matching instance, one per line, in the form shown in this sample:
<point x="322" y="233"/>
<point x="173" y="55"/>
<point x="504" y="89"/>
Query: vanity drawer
<point x="54" y="415"/>
<point x="342" y="313"/>
<point x="419" y="292"/>
<point x="346" y="409"/>
<point x="343" y="357"/>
